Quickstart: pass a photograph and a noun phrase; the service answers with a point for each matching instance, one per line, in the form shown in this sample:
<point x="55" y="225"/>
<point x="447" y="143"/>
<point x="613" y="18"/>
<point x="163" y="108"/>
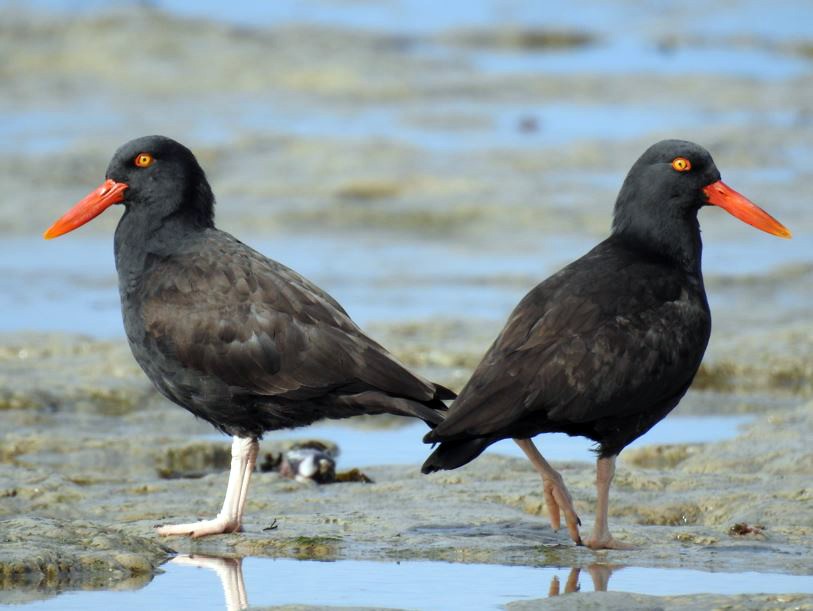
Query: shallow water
<point x="412" y="585"/>
<point x="655" y="47"/>
<point x="786" y="18"/>
<point x="70" y="284"/>
<point x="402" y="445"/>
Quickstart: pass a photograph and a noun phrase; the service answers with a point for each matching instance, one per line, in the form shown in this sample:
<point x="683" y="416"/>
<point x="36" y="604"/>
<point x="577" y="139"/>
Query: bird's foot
<point x="571" y="586"/>
<point x="606" y="541"/>
<point x="559" y="501"/>
<point x="217" y="526"/>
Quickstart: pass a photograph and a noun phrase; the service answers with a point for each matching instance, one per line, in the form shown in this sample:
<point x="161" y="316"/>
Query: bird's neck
<point x="141" y="237"/>
<point x="678" y="240"/>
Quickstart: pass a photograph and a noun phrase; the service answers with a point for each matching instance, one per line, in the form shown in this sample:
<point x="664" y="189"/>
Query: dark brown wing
<point x="221" y="308"/>
<point x="605" y="337"/>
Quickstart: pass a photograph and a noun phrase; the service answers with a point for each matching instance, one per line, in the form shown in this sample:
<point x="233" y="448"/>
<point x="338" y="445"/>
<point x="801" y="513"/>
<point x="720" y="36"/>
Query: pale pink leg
<point x="230" y="572"/>
<point x="601" y="537"/>
<point x="251" y="461"/>
<point x="600" y="574"/>
<point x="557" y="497"/>
<point x="243" y="458"/>
<point x="571" y="586"/>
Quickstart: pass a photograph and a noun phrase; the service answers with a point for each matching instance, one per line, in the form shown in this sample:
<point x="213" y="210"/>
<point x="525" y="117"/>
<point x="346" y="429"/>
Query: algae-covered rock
<point x="660" y="456"/>
<point x="194" y="459"/>
<point x="520" y="39"/>
<point x="42" y="556"/>
<point x="58" y="372"/>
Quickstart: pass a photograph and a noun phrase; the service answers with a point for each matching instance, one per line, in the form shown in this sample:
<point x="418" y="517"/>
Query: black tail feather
<point x="454" y="454"/>
<point x="432" y="412"/>
<point x="437" y="408"/>
<point x="441" y="392"/>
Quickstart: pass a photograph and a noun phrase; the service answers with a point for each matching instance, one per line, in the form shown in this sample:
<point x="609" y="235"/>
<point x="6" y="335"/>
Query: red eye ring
<point x="681" y="164"/>
<point x="143" y="160"/>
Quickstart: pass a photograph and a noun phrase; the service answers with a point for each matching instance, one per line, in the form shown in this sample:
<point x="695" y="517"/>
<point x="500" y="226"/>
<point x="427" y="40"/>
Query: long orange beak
<point x="88" y="208"/>
<point x="720" y="194"/>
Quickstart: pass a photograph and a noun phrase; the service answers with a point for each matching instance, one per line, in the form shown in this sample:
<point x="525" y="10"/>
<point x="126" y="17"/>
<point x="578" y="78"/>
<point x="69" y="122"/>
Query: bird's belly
<point x="628" y="379"/>
<point x="192" y="391"/>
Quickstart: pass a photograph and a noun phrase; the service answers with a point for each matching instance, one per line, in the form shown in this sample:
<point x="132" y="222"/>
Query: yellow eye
<point x="144" y="160"/>
<point x="681" y="164"/>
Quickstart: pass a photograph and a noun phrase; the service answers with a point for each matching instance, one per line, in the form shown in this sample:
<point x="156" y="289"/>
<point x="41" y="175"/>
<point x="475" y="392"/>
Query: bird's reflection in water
<point x="230" y="572"/>
<point x="599" y="573"/>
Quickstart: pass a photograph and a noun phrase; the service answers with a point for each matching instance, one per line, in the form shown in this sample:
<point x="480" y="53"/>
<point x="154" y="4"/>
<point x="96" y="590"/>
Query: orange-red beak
<point x="88" y="208"/>
<point x="720" y="194"/>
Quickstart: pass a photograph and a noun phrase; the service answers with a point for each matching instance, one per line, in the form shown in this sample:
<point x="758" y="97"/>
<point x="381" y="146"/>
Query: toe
<point x="174" y="529"/>
<point x="563" y="501"/>
<point x="554" y="511"/>
<point x="199" y="529"/>
<point x="607" y="543"/>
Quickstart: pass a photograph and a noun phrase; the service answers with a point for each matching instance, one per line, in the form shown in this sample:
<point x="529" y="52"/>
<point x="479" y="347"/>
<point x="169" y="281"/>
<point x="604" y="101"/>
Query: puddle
<point x="235" y="583"/>
<point x="403" y="446"/>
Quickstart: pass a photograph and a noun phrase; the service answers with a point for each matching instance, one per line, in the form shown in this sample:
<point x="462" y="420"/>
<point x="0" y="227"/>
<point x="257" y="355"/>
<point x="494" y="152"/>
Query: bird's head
<point x="154" y="176"/>
<point x="669" y="183"/>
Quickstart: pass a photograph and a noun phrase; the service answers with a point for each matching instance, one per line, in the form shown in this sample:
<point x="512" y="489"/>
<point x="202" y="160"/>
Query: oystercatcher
<point x="608" y="346"/>
<point x="237" y="339"/>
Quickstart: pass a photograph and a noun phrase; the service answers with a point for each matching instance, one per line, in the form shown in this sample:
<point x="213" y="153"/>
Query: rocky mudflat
<point x="84" y="480"/>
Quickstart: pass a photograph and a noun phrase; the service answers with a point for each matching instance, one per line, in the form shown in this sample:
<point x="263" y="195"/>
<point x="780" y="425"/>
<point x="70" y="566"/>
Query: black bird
<point x="606" y="347"/>
<point x="237" y="339"/>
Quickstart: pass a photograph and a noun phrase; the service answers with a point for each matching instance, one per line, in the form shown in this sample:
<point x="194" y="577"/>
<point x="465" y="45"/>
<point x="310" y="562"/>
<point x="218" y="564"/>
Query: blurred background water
<point x="469" y="146"/>
<point x="426" y="163"/>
